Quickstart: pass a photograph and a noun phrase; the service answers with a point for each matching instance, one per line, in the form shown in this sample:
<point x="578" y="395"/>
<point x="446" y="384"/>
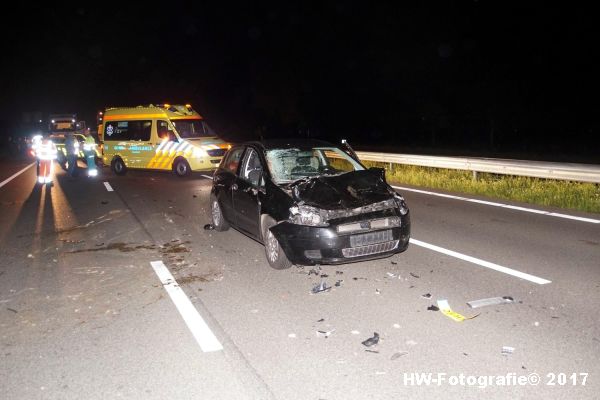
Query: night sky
<point x="455" y="77"/>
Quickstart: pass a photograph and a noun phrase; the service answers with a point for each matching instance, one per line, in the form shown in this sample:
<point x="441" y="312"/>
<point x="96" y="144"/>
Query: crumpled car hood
<point x="349" y="190"/>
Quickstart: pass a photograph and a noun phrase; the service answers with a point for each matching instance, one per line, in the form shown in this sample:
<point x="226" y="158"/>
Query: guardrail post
<point x="474" y="175"/>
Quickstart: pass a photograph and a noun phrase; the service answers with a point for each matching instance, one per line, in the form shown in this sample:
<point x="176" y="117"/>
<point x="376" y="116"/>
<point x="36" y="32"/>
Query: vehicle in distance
<point x="167" y="137"/>
<point x="309" y="202"/>
<point x="59" y="140"/>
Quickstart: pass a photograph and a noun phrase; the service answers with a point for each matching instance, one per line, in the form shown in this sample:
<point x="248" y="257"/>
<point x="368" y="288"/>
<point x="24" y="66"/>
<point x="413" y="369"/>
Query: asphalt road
<point x="84" y="313"/>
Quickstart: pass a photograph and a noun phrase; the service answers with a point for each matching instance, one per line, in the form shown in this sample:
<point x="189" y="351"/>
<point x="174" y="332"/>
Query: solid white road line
<point x="206" y="176"/>
<point x="204" y="336"/>
<point x="486" y="264"/>
<point x="491" y="203"/>
<point x="108" y="187"/>
<point x="4" y="182"/>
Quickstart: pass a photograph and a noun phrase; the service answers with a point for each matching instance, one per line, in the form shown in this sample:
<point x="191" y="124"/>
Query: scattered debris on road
<point x="447" y="311"/>
<point x="30" y="255"/>
<point x="492" y="301"/>
<point x="414" y="275"/>
<point x="338" y="283"/>
<point x="396" y="356"/>
<point x="104" y="202"/>
<point x="372" y="340"/>
<point x="325" y="334"/>
<point x="209" y="227"/>
<point x="426" y="296"/>
<point x="12" y="309"/>
<point x="321" y="287"/>
<point x="433" y="308"/>
<point x="506" y="350"/>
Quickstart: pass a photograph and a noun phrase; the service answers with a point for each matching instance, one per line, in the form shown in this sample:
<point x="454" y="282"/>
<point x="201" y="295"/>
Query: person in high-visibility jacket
<point x="72" y="147"/>
<point x="89" y="149"/>
<point x="46" y="154"/>
<point x="35" y="144"/>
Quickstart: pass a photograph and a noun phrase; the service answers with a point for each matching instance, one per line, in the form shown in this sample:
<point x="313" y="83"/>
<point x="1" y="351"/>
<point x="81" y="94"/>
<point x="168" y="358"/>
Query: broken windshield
<point x="288" y="165"/>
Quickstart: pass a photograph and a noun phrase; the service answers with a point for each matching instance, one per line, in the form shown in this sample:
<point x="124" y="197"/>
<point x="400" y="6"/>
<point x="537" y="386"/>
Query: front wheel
<point x="275" y="255"/>
<point x="181" y="168"/>
<point x="118" y="166"/>
<point x="218" y="221"/>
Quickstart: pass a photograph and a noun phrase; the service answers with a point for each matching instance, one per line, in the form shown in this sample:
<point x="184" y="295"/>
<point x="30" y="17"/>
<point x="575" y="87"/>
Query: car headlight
<point x="401" y="204"/>
<point x="307" y="215"/>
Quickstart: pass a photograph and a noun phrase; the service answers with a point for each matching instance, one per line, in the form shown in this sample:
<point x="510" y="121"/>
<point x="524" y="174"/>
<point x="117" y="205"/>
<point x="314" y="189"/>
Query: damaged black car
<point x="309" y="202"/>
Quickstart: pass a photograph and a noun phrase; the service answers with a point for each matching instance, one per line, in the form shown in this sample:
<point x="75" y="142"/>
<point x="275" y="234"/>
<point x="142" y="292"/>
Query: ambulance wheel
<point x="118" y="166"/>
<point x="181" y="167"/>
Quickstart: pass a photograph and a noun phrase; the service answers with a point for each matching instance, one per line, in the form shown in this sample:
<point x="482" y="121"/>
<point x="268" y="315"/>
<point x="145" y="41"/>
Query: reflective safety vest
<point x="46" y="150"/>
<point x="89" y="143"/>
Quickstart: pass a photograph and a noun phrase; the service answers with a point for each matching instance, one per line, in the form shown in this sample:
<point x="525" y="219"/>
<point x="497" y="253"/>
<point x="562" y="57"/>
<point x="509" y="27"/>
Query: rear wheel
<point x="218" y="221"/>
<point x="118" y="166"/>
<point x="275" y="254"/>
<point x="181" y="167"/>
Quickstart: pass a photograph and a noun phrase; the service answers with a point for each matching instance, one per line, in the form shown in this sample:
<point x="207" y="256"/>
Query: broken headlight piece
<point x="307" y="215"/>
<point x="401" y="204"/>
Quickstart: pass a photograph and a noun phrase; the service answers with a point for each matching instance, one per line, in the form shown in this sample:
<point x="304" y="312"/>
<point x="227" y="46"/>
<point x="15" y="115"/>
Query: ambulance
<point x="159" y="137"/>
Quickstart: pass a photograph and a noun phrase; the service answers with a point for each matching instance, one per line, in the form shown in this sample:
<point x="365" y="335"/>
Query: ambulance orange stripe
<point x="134" y="116"/>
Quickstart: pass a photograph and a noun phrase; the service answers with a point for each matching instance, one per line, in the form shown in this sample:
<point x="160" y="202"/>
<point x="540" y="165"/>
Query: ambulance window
<point x="164" y="131"/>
<point x="127" y="130"/>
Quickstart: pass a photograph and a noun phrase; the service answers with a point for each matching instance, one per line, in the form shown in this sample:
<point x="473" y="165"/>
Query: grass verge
<point x="546" y="192"/>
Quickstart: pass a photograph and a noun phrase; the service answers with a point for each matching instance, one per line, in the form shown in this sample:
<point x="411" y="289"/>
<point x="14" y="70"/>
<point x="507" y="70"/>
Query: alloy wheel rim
<point x="271" y="246"/>
<point x="181" y="168"/>
<point x="216" y="213"/>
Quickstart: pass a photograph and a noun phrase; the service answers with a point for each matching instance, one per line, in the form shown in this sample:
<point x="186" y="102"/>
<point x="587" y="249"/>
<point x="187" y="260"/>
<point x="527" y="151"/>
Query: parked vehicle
<point x="168" y="137"/>
<point x="309" y="202"/>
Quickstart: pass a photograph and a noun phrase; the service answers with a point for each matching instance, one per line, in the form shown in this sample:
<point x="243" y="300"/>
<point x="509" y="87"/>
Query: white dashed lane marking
<point x="196" y="324"/>
<point x="494" y="204"/>
<point x="108" y="187"/>
<point x="4" y="182"/>
<point x="483" y="263"/>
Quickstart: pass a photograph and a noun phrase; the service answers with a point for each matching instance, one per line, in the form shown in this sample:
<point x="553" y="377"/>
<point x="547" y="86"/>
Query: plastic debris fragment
<point x="326" y="334"/>
<point x="372" y="340"/>
<point x="433" y="308"/>
<point x="339" y="282"/>
<point x="492" y="301"/>
<point x="414" y="275"/>
<point x="321" y="320"/>
<point x="396" y="356"/>
<point x="339" y="272"/>
<point x="372" y="351"/>
<point x="321" y="287"/>
<point x="426" y="295"/>
<point x="209" y="227"/>
<point x="447" y="311"/>
<point x="506" y="350"/>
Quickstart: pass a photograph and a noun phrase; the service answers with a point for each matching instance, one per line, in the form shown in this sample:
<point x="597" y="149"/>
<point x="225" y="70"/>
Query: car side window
<point x="232" y="160"/>
<point x="252" y="168"/>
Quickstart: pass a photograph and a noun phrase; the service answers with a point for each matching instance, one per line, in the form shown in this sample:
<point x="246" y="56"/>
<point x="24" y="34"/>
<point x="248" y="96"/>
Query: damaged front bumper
<point x="334" y="244"/>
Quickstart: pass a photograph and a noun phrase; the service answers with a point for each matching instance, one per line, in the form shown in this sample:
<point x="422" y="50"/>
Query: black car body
<point x="310" y="202"/>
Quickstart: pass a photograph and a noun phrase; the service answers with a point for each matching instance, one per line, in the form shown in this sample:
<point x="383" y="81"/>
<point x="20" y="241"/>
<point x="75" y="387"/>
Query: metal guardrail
<point x="537" y="169"/>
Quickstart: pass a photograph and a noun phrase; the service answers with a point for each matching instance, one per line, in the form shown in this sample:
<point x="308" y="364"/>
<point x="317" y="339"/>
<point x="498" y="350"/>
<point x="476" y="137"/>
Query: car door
<point x="225" y="179"/>
<point x="245" y="192"/>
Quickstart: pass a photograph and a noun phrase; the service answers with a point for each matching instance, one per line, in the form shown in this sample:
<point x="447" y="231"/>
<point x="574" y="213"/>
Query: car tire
<point x="118" y="166"/>
<point x="218" y="220"/>
<point x="275" y="255"/>
<point x="181" y="167"/>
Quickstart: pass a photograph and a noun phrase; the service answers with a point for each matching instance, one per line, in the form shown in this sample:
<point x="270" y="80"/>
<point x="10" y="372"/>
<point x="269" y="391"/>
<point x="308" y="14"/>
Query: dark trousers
<point x="72" y="160"/>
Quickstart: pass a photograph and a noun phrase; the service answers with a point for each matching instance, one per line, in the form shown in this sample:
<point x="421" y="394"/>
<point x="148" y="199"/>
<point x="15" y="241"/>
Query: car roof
<point x="293" y="143"/>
